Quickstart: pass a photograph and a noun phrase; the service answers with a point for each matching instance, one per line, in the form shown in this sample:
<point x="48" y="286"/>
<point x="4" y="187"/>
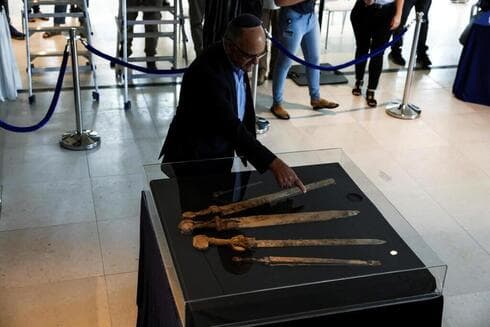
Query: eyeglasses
<point x="246" y="55"/>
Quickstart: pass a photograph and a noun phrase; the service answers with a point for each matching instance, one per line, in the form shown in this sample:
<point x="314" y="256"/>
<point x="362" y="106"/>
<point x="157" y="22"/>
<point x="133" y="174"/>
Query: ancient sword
<point x="307" y="261"/>
<point x="255" y="202"/>
<point x="242" y="243"/>
<point x="187" y="226"/>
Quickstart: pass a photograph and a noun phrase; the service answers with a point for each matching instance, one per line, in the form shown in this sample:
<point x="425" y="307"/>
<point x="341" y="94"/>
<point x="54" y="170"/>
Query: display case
<point x="379" y="261"/>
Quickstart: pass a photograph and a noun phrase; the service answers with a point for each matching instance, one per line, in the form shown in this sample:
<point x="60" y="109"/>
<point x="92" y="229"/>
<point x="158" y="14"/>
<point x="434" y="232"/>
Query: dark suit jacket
<point x="206" y="124"/>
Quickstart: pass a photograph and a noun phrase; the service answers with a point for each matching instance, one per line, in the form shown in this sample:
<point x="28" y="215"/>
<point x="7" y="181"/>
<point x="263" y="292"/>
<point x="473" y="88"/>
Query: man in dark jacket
<point x="215" y="117"/>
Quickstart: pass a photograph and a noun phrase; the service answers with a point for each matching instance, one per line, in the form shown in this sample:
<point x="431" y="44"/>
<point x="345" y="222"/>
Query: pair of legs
<point x="14" y="33"/>
<point x="396" y="49"/>
<point x="150" y="42"/>
<point x="297" y="29"/>
<point x="269" y="19"/>
<point x="196" y="15"/>
<point x="371" y="25"/>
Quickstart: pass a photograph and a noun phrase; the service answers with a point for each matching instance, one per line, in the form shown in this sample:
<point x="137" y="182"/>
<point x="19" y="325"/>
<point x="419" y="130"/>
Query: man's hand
<point x="395" y="22"/>
<point x="285" y="176"/>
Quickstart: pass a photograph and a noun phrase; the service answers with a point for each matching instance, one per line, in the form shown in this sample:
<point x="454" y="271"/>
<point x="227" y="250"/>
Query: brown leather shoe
<point x="279" y="111"/>
<point x="323" y="103"/>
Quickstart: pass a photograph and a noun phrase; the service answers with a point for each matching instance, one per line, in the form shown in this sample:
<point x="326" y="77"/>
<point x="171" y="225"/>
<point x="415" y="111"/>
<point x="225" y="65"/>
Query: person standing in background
<point x="270" y="14"/>
<point x="298" y="25"/>
<point x="14" y="33"/>
<point x="37" y="10"/>
<point x="219" y="13"/>
<point x="150" y="42"/>
<point x="373" y="22"/>
<point x="196" y="15"/>
<point x="9" y="74"/>
<point x="396" y="49"/>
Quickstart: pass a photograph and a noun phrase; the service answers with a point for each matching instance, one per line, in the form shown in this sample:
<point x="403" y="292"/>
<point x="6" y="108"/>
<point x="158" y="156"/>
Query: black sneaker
<point x="15" y="34"/>
<point x="397" y="58"/>
<point x="424" y="61"/>
<point x="151" y="65"/>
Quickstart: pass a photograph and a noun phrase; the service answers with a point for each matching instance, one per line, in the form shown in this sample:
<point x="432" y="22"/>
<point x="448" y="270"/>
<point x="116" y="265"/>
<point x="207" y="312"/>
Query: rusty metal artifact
<point x="188" y="226"/>
<point x="255" y="202"/>
<point x="306" y="261"/>
<point x="242" y="243"/>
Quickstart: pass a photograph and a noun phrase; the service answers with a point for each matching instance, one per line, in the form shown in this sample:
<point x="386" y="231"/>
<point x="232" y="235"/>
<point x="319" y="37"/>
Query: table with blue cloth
<point x="472" y="83"/>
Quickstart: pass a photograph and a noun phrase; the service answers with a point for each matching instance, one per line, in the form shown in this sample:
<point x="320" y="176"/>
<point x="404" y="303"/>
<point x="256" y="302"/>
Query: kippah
<point x="245" y="21"/>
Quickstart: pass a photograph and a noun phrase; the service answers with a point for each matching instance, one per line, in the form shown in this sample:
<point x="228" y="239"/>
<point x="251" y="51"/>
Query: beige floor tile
<point x="72" y="303"/>
<point x="46" y="204"/>
<point x="469" y="310"/>
<point x="394" y="134"/>
<point x="381" y="169"/>
<point x="351" y="138"/>
<point x="119" y="240"/>
<point x="478" y="153"/>
<point x="284" y="137"/>
<point x="50" y="254"/>
<point x="461" y="128"/>
<point x="469" y="205"/>
<point x="122" y="299"/>
<point x="437" y="104"/>
<point x="452" y="244"/>
<point x="438" y="166"/>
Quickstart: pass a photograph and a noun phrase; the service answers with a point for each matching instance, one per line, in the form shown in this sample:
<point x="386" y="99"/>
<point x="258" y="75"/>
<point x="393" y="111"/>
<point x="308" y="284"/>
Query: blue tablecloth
<point x="472" y="83"/>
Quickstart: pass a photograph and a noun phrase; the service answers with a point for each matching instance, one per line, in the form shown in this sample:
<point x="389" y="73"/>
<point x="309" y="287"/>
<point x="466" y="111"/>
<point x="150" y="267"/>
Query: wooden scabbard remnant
<point x="242" y="243"/>
<point x="255" y="202"/>
<point x="307" y="261"/>
<point x="187" y="226"/>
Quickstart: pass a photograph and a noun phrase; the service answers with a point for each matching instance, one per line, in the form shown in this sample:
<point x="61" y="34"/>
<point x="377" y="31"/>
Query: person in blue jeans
<point x="298" y="25"/>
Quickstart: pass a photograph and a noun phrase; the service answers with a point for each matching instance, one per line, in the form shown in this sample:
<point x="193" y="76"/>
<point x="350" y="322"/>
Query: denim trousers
<point x="297" y="29"/>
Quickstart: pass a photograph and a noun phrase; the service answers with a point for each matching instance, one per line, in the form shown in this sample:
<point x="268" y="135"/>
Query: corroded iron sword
<point x="187" y="226"/>
<point x="242" y="243"/>
<point x="307" y="261"/>
<point x="255" y="202"/>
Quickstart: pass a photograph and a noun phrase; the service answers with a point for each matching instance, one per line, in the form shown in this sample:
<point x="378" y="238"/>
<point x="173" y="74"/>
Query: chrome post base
<point x="262" y="125"/>
<point x="73" y="140"/>
<point x="403" y="111"/>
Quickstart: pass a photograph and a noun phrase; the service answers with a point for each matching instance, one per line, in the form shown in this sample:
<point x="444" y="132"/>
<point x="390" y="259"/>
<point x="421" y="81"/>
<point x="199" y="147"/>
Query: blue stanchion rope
<point x="362" y="58"/>
<point x="118" y="61"/>
<point x="52" y="106"/>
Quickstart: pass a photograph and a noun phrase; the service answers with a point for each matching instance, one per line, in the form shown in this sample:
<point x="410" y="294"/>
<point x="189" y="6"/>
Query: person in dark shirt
<point x="373" y="22"/>
<point x="396" y="49"/>
<point x="215" y="117"/>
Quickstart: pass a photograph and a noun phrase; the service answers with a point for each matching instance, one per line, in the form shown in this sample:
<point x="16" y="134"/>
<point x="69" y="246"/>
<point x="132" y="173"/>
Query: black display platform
<point x="298" y="74"/>
<point x="209" y="275"/>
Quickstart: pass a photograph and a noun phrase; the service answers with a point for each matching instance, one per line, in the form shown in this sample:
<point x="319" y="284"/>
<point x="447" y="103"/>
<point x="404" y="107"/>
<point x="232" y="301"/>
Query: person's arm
<point x="286" y="3"/>
<point x="395" y="21"/>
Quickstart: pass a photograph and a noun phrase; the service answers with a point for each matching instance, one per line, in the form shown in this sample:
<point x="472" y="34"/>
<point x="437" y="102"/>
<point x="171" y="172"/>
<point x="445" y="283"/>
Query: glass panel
<point x="223" y="287"/>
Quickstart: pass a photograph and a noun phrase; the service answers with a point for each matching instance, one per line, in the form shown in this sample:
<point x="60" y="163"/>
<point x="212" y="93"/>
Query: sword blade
<point x="255" y="202"/>
<point x="307" y="261"/>
<point x="273" y="197"/>
<point x="317" y="242"/>
<point x="292" y="218"/>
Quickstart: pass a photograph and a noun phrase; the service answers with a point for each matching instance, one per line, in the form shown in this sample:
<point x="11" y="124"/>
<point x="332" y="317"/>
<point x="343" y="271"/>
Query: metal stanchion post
<point x="79" y="139"/>
<point x="405" y="110"/>
<point x="262" y="125"/>
<point x="25" y="25"/>
<point x="127" y="102"/>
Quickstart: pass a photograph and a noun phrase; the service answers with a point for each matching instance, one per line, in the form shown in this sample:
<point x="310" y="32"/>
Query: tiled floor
<point x="69" y="222"/>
